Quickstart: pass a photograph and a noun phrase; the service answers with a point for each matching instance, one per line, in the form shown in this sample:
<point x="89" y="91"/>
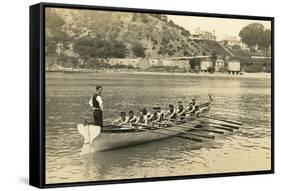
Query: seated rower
<point x="122" y="120"/>
<point x="132" y="118"/>
<point x="146" y="113"/>
<point x="154" y="117"/>
<point x="160" y="113"/>
<point x="194" y="102"/>
<point x="142" y="119"/>
<point x="197" y="111"/>
<point x="181" y="112"/>
<point x="196" y="107"/>
<point x="171" y="114"/>
<point x="190" y="110"/>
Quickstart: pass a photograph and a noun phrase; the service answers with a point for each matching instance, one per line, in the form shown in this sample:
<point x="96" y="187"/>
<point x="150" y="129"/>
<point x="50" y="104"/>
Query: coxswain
<point x="96" y="104"/>
<point x="122" y="120"/>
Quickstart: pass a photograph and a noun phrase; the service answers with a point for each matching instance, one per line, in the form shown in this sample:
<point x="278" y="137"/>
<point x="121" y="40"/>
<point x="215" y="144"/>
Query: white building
<point x="203" y="35"/>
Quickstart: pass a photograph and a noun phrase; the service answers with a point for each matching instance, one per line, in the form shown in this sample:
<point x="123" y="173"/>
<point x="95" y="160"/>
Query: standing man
<point x="97" y="106"/>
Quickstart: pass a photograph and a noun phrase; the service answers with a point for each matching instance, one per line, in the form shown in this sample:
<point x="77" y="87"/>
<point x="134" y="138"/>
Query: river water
<point x="247" y="100"/>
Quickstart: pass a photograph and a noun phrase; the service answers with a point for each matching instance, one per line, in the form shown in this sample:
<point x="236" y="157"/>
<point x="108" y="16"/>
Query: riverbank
<point x="243" y="75"/>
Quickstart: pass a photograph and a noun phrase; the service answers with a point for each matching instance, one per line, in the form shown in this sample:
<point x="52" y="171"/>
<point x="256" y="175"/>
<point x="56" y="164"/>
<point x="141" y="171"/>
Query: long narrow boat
<point x="112" y="137"/>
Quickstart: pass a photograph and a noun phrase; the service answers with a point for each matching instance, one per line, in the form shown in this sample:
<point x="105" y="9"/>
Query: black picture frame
<point x="37" y="94"/>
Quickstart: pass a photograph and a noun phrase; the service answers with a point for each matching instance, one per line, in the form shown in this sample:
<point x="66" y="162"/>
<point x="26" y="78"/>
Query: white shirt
<point x="98" y="100"/>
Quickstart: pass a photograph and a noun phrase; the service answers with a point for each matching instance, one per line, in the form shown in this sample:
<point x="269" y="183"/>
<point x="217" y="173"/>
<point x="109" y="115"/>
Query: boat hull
<point x="121" y="137"/>
<point x="106" y="141"/>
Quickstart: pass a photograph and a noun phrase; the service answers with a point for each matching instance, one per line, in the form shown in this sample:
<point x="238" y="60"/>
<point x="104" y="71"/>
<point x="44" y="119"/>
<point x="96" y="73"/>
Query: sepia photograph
<point x="138" y="95"/>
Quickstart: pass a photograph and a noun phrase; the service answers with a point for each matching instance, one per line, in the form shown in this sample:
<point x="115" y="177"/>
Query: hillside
<point x="213" y="47"/>
<point x="152" y="33"/>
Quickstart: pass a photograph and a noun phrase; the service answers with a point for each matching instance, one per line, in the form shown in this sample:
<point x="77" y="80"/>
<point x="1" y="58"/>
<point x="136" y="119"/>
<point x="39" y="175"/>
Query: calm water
<point x="245" y="100"/>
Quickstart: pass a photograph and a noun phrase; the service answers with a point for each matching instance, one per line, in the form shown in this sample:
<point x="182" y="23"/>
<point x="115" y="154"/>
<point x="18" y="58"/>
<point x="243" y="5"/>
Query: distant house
<point x="234" y="66"/>
<point x="205" y="64"/>
<point x="203" y="35"/>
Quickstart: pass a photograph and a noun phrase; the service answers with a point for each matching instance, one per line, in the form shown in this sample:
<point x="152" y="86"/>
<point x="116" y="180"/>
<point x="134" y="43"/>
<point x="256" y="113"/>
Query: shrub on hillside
<point x="254" y="68"/>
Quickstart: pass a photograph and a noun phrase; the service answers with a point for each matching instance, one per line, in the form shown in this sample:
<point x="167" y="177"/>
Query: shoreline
<point x="201" y="74"/>
<point x="245" y="75"/>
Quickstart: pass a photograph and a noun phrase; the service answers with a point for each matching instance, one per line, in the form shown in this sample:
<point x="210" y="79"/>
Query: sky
<point x="222" y="26"/>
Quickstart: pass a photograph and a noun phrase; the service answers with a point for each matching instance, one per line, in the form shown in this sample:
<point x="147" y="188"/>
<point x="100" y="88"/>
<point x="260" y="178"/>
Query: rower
<point x="196" y="108"/>
<point x="190" y="110"/>
<point x="154" y="116"/>
<point x="146" y="113"/>
<point x="160" y="113"/>
<point x="122" y="120"/>
<point x="171" y="114"/>
<point x="142" y="119"/>
<point x="132" y="118"/>
<point x="194" y="102"/>
<point x="181" y="112"/>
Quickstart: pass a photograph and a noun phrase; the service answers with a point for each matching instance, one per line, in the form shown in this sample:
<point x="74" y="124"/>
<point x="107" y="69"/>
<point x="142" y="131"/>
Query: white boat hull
<point x="106" y="141"/>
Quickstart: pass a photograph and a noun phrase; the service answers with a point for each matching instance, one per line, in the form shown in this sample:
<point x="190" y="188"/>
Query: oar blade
<point x="224" y="120"/>
<point x="220" y="124"/>
<point x="219" y="127"/>
<point x="230" y="126"/>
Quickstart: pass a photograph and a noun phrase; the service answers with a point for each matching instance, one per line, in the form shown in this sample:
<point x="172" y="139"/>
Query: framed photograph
<point x="127" y="95"/>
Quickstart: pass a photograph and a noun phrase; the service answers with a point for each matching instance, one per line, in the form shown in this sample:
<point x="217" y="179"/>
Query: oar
<point x="194" y="134"/>
<point x="151" y="131"/>
<point x="184" y="132"/>
<point x="231" y="126"/>
<point x="197" y="124"/>
<point x="200" y="129"/>
<point x="216" y="127"/>
<point x="224" y="120"/>
<point x="222" y="128"/>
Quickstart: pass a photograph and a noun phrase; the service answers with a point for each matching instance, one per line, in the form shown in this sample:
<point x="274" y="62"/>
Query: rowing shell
<point x="112" y="136"/>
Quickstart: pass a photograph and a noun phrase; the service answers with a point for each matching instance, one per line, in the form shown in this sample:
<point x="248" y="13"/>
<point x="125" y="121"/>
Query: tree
<point x="117" y="49"/>
<point x="138" y="50"/>
<point x="90" y="47"/>
<point x="255" y="34"/>
<point x="266" y="40"/>
<point x="251" y="34"/>
<point x="55" y="34"/>
<point x="84" y="47"/>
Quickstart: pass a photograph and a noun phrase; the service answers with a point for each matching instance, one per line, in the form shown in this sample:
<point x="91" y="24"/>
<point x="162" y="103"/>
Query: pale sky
<point x="222" y="26"/>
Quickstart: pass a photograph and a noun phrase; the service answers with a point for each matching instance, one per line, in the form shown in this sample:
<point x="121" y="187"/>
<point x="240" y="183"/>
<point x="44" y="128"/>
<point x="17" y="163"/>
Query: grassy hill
<point x="151" y="33"/>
